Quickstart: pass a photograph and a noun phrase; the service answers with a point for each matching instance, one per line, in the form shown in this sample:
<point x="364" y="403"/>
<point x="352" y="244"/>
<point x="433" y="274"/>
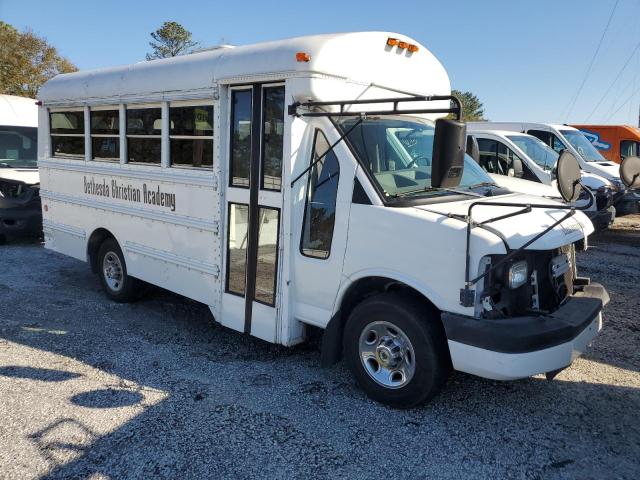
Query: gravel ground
<point x="94" y="389"/>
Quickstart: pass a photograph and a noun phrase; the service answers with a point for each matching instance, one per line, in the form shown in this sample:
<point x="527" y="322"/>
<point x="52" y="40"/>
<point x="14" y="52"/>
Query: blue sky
<point x="525" y="60"/>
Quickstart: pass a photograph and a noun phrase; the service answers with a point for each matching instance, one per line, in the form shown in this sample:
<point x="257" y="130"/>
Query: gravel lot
<point x="93" y="389"/>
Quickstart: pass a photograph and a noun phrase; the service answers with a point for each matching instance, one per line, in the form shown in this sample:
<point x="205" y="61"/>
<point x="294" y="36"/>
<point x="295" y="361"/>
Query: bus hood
<point x="520" y="229"/>
<point x="29" y="176"/>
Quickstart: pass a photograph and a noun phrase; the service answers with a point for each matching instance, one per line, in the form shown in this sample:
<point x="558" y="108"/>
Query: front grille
<point x="542" y="293"/>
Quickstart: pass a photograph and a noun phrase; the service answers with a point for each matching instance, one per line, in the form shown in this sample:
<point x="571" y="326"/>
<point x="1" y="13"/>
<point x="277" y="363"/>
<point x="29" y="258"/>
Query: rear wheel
<point x="396" y="349"/>
<point x="113" y="273"/>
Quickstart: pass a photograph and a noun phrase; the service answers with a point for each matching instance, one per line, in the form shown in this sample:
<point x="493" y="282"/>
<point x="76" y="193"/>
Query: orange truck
<point x="614" y="142"/>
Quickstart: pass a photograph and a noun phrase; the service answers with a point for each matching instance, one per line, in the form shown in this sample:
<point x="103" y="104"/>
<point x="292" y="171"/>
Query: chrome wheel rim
<point x="112" y="271"/>
<point x="387" y="354"/>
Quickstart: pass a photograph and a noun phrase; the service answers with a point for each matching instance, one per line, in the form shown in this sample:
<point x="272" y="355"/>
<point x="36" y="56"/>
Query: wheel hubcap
<point x="387" y="355"/>
<point x="112" y="271"/>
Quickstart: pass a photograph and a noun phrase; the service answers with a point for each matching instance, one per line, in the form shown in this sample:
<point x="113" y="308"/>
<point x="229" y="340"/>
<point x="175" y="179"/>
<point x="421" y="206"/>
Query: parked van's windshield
<point x="397" y="151"/>
<point x="536" y="150"/>
<point x="18" y="147"/>
<point x="583" y="146"/>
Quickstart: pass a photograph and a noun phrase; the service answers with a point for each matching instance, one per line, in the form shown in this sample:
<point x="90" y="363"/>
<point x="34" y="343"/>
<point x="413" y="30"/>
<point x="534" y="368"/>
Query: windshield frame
<point x="429" y="196"/>
<point x="24" y="131"/>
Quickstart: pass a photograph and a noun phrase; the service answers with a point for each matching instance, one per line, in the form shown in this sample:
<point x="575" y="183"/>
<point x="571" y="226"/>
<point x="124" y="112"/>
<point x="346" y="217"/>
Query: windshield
<point x="18" y="147"/>
<point x="583" y="146"/>
<point x="536" y="150"/>
<point x="397" y="151"/>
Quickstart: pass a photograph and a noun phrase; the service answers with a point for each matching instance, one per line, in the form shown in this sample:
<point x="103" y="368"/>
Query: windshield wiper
<point x="434" y="189"/>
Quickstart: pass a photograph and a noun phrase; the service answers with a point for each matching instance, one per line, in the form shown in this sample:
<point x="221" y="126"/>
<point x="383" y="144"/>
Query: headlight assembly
<point x="517" y="275"/>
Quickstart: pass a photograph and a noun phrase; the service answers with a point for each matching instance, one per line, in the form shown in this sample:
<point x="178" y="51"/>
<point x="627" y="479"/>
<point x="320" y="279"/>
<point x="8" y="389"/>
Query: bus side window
<point x="320" y="207"/>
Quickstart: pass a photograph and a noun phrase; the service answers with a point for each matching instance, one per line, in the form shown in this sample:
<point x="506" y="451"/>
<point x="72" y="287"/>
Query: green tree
<point x="170" y="40"/>
<point x="27" y="61"/>
<point x="472" y="107"/>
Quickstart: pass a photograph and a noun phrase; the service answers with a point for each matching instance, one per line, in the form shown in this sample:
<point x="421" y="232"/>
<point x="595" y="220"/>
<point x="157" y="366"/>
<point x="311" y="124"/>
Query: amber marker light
<point x="413" y="48"/>
<point x="303" y="57"/>
<point x="392" y="42"/>
<point x="403" y="45"/>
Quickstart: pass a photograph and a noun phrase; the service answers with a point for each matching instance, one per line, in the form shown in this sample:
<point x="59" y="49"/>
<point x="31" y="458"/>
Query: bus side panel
<point x="166" y="228"/>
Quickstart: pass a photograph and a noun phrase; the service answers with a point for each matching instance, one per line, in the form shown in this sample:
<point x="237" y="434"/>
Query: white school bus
<point x="315" y="182"/>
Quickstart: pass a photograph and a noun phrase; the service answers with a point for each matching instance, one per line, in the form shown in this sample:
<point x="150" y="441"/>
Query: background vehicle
<point x="20" y="213"/>
<point x="505" y="153"/>
<point x="614" y="142"/>
<point x="560" y="137"/>
<point x="342" y="212"/>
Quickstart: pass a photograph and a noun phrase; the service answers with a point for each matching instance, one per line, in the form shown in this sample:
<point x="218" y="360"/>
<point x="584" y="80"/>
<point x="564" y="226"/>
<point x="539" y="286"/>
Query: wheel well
<point x="356" y="293"/>
<point x="95" y="240"/>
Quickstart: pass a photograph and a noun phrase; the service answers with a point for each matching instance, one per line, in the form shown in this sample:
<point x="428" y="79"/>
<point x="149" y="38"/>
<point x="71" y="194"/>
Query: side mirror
<point x="516" y="165"/>
<point x="569" y="175"/>
<point x="473" y="149"/>
<point x="449" y="144"/>
<point x="630" y="172"/>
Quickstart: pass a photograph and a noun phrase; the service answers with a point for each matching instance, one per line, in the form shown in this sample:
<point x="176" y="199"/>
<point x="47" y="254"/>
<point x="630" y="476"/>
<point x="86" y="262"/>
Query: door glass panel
<point x="238" y="222"/>
<point x="240" y="138"/>
<point x="269" y="219"/>
<point x="273" y="138"/>
<point x="320" y="209"/>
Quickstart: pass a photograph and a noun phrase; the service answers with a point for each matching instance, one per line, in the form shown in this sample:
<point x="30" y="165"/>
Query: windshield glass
<point x="18" y="147"/>
<point x="397" y="151"/>
<point x="536" y="150"/>
<point x="583" y="146"/>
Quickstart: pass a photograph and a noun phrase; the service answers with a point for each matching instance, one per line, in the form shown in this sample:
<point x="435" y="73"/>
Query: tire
<point x="377" y="329"/>
<point x="117" y="284"/>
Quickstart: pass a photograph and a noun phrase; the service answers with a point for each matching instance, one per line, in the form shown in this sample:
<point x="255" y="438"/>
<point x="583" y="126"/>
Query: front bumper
<point x="21" y="220"/>
<point x="627" y="203"/>
<point x="603" y="218"/>
<point x="518" y="347"/>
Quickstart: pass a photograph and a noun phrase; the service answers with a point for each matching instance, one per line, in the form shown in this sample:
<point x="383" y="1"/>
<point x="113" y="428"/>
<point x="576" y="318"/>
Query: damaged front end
<point x="20" y="210"/>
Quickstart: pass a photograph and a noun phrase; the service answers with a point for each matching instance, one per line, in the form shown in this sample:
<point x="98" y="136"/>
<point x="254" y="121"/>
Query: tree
<point x="171" y="40"/>
<point x="27" y="61"/>
<point x="472" y="107"/>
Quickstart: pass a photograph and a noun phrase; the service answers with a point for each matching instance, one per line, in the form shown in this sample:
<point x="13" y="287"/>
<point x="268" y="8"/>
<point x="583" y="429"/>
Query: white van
<point x="20" y="212"/>
<point x="561" y="137"/>
<point x="504" y="153"/>
<point x="314" y="182"/>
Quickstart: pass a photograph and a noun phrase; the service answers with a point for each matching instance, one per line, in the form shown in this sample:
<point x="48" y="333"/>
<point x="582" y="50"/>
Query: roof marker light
<point x="413" y="48"/>
<point x="403" y="45"/>
<point x="392" y="42"/>
<point x="303" y="57"/>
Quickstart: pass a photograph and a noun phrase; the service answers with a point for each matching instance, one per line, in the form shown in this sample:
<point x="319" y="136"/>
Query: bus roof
<point x="18" y="111"/>
<point x="361" y="59"/>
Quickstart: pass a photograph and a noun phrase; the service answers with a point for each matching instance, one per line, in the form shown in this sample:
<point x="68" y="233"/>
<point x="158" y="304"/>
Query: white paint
<point x="183" y="249"/>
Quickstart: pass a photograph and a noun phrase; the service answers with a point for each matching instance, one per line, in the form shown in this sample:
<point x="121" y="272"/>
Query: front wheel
<point x="113" y="273"/>
<point x="396" y="349"/>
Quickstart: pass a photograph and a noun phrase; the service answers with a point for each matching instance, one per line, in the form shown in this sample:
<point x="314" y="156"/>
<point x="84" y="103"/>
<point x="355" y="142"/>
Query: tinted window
<point x="144" y="121"/>
<point x="238" y="230"/>
<point x="105" y="122"/>
<point x="273" y="138"/>
<point x="67" y="122"/>
<point x="194" y="121"/>
<point x="67" y="133"/>
<point x="144" y="126"/>
<point x="191" y="135"/>
<point x="267" y="255"/>
<point x="143" y="150"/>
<point x="240" y="138"/>
<point x="320" y="208"/>
<point x="105" y="147"/>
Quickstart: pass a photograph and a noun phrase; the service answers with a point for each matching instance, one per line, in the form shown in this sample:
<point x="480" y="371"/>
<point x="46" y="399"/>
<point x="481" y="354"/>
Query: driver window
<point x="320" y="207"/>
